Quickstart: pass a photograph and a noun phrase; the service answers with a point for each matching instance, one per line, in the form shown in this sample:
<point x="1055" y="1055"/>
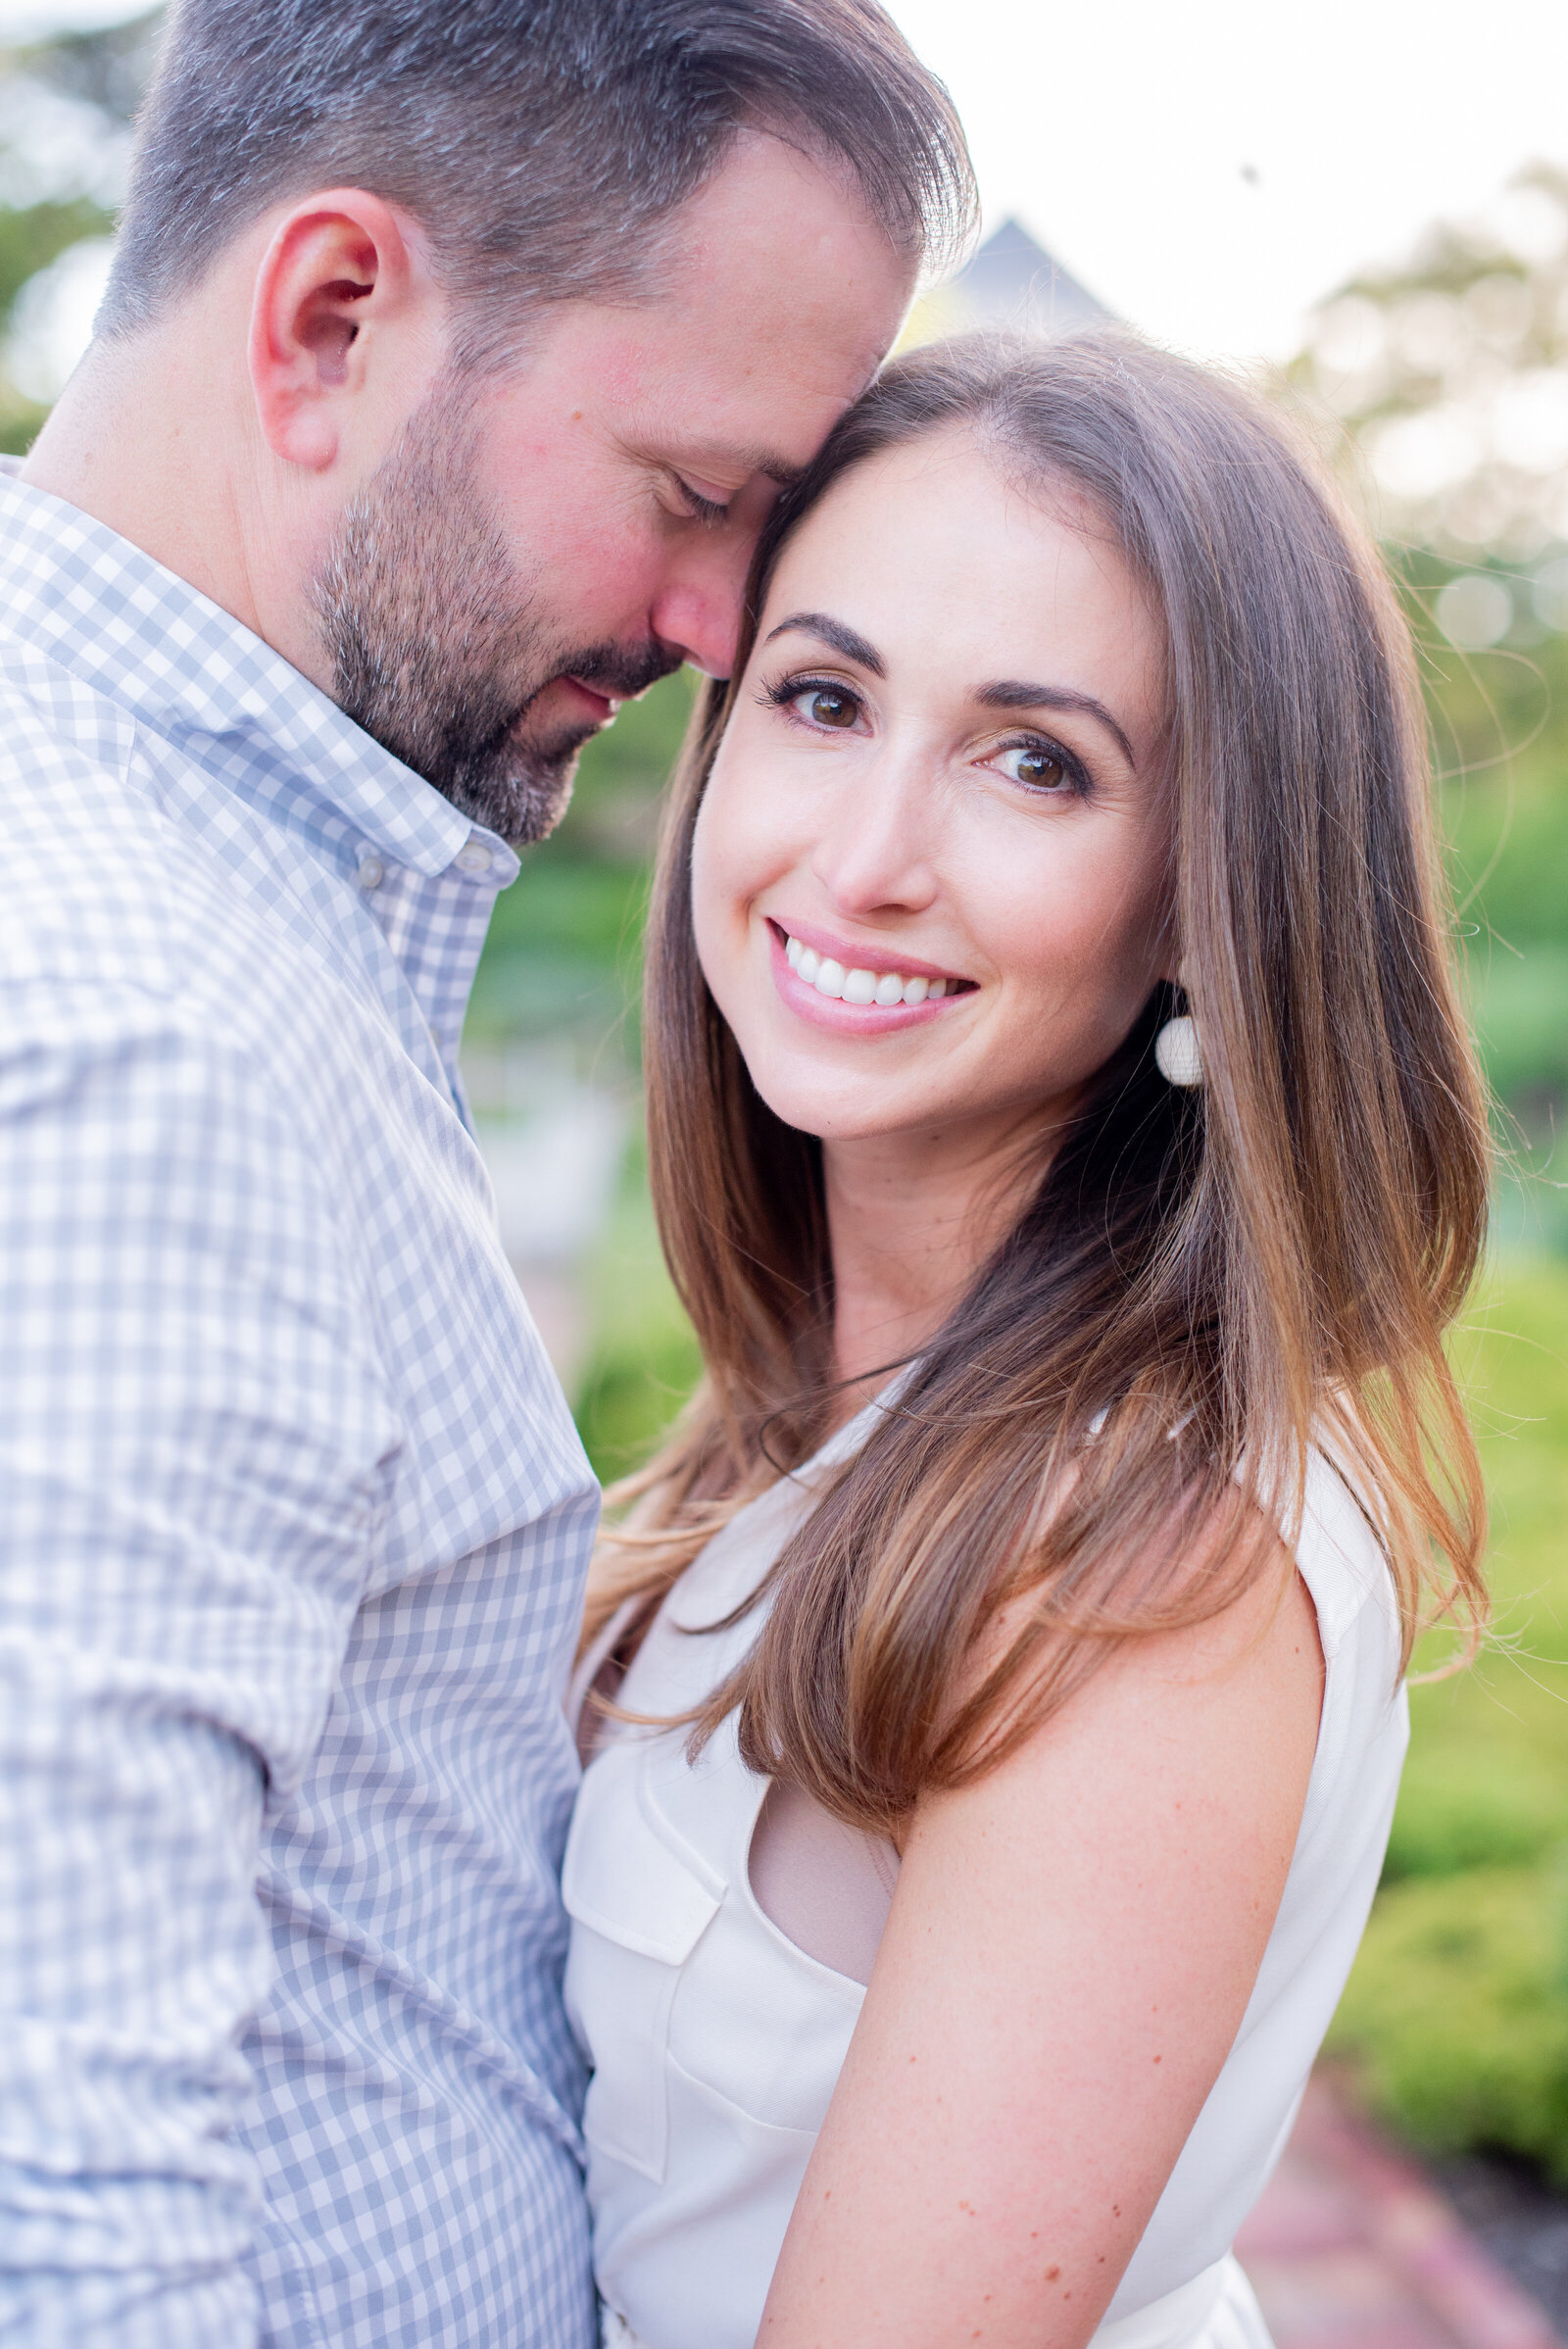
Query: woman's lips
<point x="854" y="957"/>
<point x="849" y="994"/>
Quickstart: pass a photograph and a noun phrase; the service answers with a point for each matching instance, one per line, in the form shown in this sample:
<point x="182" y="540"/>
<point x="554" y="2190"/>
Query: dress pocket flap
<point x="625" y="1879"/>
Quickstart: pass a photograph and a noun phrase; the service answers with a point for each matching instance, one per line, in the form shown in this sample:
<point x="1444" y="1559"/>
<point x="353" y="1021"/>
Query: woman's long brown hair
<point x="1205" y="1283"/>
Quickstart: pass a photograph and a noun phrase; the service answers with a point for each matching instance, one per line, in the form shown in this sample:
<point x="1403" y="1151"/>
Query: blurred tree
<point x="1441" y="387"/>
<point x="31" y="236"/>
<point x="107" y="69"/>
<point x="564" y="952"/>
<point x="1452" y="376"/>
<point x="65" y="109"/>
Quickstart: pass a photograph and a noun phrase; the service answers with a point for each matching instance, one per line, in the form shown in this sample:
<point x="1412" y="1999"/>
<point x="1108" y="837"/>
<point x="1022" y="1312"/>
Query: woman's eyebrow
<point x="1009" y="693"/>
<point x="832" y="632"/>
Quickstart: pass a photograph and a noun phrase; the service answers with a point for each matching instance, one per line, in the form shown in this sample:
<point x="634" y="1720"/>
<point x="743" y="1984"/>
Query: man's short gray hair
<point x="541" y="144"/>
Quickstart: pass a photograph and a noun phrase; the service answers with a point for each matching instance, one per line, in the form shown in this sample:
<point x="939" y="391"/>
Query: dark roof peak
<point x="1012" y="281"/>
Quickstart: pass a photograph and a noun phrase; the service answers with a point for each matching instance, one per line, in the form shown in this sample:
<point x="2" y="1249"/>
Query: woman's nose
<point x="876" y="852"/>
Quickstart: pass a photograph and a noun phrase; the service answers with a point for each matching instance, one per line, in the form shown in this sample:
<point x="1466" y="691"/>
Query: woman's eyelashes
<point x="1040" y="765"/>
<point x="824" y="703"/>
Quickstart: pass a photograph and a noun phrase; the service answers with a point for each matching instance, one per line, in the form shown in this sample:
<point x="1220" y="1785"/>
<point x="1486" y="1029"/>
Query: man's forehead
<point x="761" y="349"/>
<point x="724" y="368"/>
<point x="735" y="421"/>
<point x="722" y="407"/>
<point x="737" y="393"/>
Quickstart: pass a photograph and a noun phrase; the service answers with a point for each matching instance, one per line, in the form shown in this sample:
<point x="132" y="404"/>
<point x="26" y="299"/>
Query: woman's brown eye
<point x="825" y="708"/>
<point x="1030" y="762"/>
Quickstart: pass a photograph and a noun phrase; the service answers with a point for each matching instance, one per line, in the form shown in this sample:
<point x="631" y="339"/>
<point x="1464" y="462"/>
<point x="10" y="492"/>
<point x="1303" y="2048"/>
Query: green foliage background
<point x="103" y="75"/>
<point x="1457" y="2010"/>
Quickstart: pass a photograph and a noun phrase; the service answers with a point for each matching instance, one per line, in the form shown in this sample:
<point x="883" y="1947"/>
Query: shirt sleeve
<point x="195" y="1454"/>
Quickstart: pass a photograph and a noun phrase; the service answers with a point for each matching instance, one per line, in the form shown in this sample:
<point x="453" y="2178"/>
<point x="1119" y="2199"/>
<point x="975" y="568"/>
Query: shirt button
<point x="372" y="870"/>
<point x="473" y="858"/>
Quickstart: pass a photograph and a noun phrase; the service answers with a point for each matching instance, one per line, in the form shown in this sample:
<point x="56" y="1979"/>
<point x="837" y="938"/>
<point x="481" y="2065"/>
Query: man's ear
<point x="338" y="267"/>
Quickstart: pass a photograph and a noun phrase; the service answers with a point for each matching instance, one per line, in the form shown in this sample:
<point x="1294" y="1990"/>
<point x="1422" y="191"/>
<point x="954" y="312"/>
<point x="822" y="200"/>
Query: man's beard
<point x="438" y="648"/>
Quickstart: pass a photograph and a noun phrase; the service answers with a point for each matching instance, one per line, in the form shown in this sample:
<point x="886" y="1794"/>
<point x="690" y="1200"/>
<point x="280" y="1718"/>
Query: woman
<point x="1067" y="1146"/>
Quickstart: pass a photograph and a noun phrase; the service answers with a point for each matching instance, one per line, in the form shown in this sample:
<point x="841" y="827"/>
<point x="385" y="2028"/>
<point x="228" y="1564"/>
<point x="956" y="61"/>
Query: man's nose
<point x="698" y="607"/>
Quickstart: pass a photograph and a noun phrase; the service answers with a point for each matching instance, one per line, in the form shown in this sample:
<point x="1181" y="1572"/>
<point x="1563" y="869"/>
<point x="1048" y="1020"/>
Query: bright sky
<point x="1119" y="131"/>
<point x="1211" y="168"/>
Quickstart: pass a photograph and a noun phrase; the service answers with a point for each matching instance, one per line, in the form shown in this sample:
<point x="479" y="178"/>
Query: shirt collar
<point x="75" y="591"/>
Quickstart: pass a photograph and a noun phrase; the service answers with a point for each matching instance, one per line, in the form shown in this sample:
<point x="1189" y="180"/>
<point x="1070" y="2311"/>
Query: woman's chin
<point x="846" y="1112"/>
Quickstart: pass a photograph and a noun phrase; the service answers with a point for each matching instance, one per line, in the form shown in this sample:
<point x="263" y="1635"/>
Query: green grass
<point x="1456" y="2013"/>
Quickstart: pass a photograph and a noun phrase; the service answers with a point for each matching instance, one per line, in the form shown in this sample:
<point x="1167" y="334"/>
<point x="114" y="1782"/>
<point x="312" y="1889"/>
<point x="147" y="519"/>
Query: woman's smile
<point x="857" y="989"/>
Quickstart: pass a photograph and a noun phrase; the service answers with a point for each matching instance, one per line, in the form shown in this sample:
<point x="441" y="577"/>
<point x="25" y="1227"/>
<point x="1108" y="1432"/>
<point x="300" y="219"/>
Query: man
<point x="453" y="354"/>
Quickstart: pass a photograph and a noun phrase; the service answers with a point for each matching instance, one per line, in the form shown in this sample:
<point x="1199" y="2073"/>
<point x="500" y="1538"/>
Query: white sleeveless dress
<point x="716" y="2041"/>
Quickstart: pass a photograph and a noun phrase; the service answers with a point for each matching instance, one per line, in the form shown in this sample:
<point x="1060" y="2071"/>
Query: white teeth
<point x="857" y="986"/>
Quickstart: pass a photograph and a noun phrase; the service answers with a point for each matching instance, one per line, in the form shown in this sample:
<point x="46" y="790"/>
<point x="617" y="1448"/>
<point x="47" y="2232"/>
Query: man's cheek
<point x="610" y="570"/>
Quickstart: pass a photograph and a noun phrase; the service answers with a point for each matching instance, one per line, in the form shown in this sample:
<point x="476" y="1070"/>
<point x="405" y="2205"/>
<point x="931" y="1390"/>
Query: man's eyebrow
<point x="777" y="469"/>
<point x="832" y="632"/>
<point x="765" y="462"/>
<point x="1009" y="693"/>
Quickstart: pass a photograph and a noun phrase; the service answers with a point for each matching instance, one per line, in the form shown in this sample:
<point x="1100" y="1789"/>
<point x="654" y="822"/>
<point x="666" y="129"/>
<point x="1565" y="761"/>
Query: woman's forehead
<point x="943" y="557"/>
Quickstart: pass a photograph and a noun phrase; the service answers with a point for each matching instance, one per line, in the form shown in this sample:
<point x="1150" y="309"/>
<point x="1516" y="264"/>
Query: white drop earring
<point x="1177" y="1056"/>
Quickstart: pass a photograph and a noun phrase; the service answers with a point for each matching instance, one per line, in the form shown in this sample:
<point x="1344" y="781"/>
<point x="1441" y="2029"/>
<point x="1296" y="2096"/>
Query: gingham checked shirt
<point x="293" y="1525"/>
